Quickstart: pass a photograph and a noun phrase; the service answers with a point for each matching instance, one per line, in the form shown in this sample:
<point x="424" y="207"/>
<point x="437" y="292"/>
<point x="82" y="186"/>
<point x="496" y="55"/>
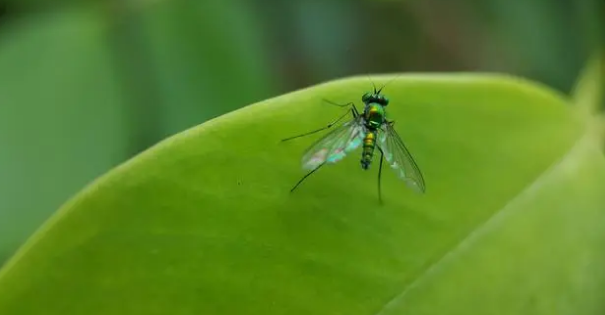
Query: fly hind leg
<point x="379" y="175"/>
<point x="306" y="175"/>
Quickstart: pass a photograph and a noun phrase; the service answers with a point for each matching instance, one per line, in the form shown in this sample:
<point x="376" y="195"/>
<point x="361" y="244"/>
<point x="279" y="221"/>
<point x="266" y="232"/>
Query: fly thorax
<point x="374" y="115"/>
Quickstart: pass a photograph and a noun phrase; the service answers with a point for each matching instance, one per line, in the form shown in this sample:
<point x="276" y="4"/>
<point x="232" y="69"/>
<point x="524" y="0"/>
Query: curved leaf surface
<point x="204" y="223"/>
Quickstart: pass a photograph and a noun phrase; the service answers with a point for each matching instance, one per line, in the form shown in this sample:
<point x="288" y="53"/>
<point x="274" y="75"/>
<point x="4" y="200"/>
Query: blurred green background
<point x="85" y="85"/>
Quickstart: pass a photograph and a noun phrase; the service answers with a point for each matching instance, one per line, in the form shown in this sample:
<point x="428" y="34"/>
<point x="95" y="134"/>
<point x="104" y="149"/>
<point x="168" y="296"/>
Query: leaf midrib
<point x="484" y="227"/>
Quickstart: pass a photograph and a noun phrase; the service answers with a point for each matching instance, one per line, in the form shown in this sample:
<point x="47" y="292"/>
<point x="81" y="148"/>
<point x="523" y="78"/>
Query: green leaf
<point x="204" y="223"/>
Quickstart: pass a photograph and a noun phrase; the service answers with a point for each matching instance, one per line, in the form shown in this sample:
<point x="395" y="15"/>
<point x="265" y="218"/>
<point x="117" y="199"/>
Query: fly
<point x="372" y="131"/>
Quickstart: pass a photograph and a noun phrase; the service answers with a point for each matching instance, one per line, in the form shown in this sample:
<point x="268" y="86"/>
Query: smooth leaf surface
<point x="203" y="223"/>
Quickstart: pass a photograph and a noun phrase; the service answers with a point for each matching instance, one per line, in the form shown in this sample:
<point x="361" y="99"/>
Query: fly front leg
<point x="353" y="111"/>
<point x="353" y="108"/>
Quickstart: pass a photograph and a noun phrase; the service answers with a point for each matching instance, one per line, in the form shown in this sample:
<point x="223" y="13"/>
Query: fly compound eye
<point x="366" y="97"/>
<point x="385" y="101"/>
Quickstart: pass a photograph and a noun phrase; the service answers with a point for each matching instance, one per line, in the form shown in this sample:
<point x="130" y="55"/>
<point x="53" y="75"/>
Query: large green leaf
<point x="204" y="223"/>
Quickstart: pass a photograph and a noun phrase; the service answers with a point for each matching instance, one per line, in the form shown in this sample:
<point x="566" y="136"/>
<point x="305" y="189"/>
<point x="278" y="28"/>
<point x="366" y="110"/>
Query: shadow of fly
<point x="369" y="129"/>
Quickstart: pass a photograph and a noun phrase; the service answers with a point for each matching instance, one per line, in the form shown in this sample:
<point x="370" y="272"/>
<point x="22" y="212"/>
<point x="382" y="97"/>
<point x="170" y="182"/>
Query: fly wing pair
<point x="336" y="144"/>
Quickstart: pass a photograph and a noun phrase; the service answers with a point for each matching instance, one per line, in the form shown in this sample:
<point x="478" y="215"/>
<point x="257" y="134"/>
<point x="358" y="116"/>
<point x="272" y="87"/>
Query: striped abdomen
<point x="369" y="143"/>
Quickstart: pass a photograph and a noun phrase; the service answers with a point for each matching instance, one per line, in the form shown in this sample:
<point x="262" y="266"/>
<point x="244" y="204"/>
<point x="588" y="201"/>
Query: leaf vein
<point x="480" y="229"/>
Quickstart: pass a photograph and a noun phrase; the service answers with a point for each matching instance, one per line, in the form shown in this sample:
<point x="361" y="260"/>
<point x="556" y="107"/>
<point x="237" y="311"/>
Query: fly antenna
<point x="391" y="80"/>
<point x="374" y="85"/>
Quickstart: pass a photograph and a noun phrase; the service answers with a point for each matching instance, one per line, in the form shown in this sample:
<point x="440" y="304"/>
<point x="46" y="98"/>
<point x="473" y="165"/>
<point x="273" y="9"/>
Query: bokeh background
<point x="85" y="85"/>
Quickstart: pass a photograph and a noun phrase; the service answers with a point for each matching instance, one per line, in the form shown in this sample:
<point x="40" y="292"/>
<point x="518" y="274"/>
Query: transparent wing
<point x="335" y="145"/>
<point x="400" y="159"/>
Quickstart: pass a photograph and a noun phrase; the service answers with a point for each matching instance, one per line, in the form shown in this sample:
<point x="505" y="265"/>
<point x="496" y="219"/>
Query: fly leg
<point x="307" y="175"/>
<point x="379" y="174"/>
<point x="353" y="111"/>
<point x="336" y="104"/>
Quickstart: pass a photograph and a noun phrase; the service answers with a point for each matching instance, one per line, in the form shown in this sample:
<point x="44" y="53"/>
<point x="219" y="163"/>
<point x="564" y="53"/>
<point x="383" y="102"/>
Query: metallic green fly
<point x="369" y="129"/>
